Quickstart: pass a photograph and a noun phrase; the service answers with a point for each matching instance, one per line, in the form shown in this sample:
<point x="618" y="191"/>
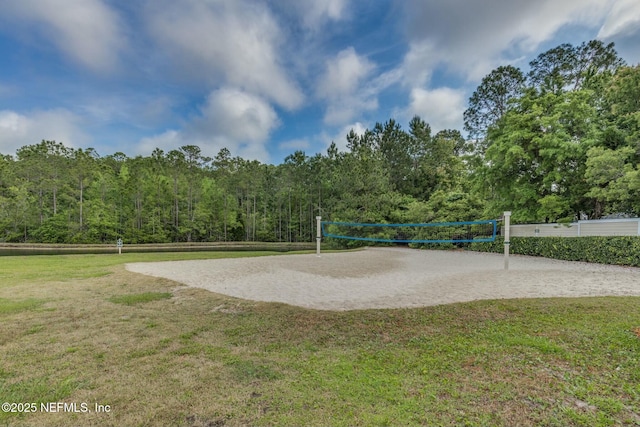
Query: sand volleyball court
<point x="394" y="277"/>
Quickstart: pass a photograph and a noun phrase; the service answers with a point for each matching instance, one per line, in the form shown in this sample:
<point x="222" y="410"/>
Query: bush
<point x="618" y="250"/>
<point x="53" y="230"/>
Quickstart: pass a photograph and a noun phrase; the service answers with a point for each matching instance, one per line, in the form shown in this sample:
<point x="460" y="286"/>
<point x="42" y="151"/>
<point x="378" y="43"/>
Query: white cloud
<point x="13" y="123"/>
<point x="314" y="13"/>
<point x="343" y="85"/>
<point x="87" y="31"/>
<point x="343" y="74"/>
<point x="441" y="108"/>
<point x="245" y="59"/>
<point x="18" y="130"/>
<point x="419" y="62"/>
<point x="623" y="20"/>
<point x="622" y="26"/>
<point x="224" y="43"/>
<point x="238" y="115"/>
<point x="357" y="127"/>
<point x="319" y="9"/>
<point x="471" y="38"/>
<point x="230" y="118"/>
<point x="348" y="109"/>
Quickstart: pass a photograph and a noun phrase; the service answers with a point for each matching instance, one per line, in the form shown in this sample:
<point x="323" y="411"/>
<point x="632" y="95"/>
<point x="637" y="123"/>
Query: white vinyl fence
<point x="600" y="227"/>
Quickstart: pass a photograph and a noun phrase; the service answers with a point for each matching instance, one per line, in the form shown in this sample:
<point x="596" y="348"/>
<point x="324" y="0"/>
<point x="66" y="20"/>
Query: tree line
<point x="557" y="143"/>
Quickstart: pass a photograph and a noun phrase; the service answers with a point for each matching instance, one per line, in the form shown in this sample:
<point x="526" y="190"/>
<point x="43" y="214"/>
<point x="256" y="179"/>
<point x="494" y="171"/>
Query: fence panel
<point x="601" y="227"/>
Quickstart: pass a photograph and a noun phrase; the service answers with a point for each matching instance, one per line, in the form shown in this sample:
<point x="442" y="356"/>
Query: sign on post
<point x="119" y="244"/>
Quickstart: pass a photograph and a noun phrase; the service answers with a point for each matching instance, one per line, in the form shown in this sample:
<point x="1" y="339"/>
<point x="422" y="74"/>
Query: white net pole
<point x="507" y="227"/>
<point x="318" y="234"/>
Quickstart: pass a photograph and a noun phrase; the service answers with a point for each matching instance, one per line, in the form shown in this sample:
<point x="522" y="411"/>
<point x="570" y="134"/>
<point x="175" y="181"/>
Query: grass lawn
<point x="81" y="330"/>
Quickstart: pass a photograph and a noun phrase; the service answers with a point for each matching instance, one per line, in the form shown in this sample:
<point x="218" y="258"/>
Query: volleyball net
<point x="435" y="232"/>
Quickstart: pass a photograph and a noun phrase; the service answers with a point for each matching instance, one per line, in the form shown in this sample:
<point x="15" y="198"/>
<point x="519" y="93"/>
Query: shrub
<point x="618" y="250"/>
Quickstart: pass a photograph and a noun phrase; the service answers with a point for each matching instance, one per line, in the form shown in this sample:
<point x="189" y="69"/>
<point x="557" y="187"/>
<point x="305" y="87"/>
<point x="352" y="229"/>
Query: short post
<point x="507" y="227"/>
<point x="119" y="244"/>
<point x="318" y="234"/>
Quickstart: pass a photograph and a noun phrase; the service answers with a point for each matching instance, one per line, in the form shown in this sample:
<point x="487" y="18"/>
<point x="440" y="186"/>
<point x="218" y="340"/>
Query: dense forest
<point x="557" y="143"/>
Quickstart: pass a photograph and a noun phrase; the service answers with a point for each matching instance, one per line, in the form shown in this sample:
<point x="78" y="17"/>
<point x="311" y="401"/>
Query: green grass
<point x="8" y="306"/>
<point x="200" y="358"/>
<point x="38" y="390"/>
<point x="44" y="268"/>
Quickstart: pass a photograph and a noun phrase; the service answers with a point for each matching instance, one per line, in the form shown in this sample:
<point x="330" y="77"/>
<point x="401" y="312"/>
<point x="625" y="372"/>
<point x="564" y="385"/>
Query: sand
<point x="394" y="278"/>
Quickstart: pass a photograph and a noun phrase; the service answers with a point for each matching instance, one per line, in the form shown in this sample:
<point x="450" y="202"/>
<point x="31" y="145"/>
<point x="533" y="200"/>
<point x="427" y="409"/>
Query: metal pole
<point x="507" y="227"/>
<point x="318" y="234"/>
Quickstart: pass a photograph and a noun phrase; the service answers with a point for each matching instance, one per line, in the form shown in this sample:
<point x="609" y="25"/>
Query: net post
<point x="318" y="234"/>
<point x="507" y="243"/>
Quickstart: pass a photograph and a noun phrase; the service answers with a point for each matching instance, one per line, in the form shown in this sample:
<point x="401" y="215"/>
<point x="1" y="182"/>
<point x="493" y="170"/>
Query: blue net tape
<point x="466" y="239"/>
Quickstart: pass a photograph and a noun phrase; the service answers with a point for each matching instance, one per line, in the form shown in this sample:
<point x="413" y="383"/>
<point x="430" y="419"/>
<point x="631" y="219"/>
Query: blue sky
<point x="266" y="78"/>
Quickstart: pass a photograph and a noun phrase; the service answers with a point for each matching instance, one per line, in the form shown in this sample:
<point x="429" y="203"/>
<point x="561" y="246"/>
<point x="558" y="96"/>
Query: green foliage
<point x="560" y="143"/>
<point x="54" y="229"/>
<point x="491" y="100"/>
<point x="448" y="206"/>
<point x="539" y="150"/>
<point x="577" y="100"/>
<point x="614" y="180"/>
<point x="573" y="67"/>
<point x="553" y="206"/>
<point x="618" y="250"/>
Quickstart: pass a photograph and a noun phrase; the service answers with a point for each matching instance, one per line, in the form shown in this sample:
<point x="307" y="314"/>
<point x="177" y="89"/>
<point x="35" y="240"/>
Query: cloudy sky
<point x="264" y="78"/>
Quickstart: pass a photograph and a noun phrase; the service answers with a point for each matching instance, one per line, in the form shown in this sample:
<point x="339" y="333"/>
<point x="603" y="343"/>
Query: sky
<point x="266" y="78"/>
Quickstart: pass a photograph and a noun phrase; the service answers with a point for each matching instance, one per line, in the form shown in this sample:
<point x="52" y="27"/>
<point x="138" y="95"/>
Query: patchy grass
<point x="200" y="358"/>
<point x="132" y="299"/>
